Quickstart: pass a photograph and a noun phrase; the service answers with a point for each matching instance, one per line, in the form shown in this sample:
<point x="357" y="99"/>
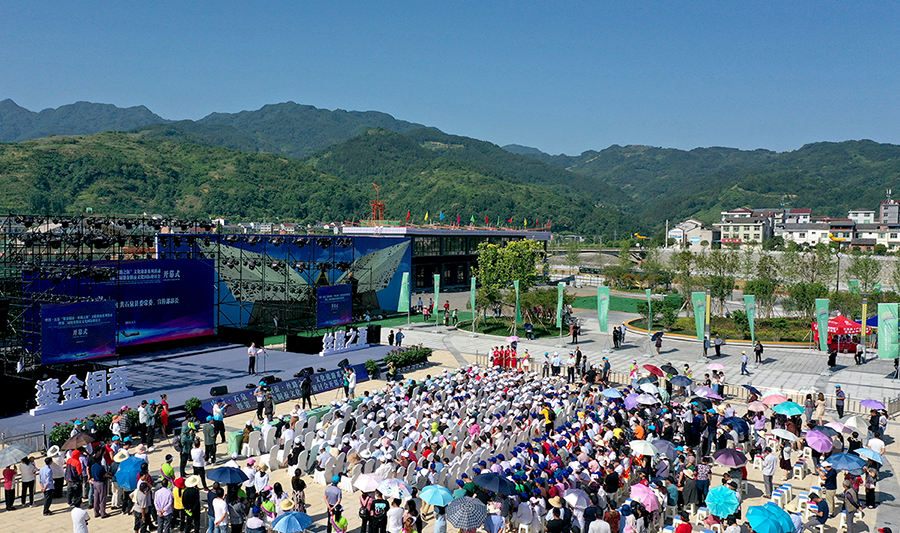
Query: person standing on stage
<point x="306" y="392"/>
<point x="399" y="337"/>
<point x="391" y="338"/>
<point x="260" y="394"/>
<point x="252" y="352"/>
<point x="219" y="418"/>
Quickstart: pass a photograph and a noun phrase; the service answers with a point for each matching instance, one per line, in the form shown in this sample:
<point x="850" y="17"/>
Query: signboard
<point x="732" y="241"/>
<point x="97" y="387"/>
<point x="345" y="341"/>
<point x="77" y="331"/>
<point x="283" y="391"/>
<point x="334" y="305"/>
<point x="695" y="240"/>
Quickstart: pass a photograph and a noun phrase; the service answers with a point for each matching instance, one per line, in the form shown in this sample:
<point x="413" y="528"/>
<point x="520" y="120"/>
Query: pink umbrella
<point x="837" y="426"/>
<point x="819" y="442"/>
<point x="645" y="495"/>
<point x="756" y="406"/>
<point x="774" y="399"/>
<point x="706" y="392"/>
<point x="715" y="366"/>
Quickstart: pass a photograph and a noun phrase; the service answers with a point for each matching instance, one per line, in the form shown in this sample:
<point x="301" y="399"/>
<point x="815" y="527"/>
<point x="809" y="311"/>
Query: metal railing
<point x="35" y="441"/>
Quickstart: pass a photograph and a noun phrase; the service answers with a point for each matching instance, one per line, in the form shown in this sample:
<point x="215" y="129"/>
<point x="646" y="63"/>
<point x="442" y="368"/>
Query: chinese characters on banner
<point x="96" y="387"/>
<point x="344" y="341"/>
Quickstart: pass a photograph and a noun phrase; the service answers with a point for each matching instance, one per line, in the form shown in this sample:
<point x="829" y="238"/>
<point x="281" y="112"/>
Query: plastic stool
<point x="717" y="528"/>
<point x="842" y="524"/>
<point x="524" y="528"/>
<point x="702" y="513"/>
<point x="757" y="463"/>
<point x="807" y="453"/>
<point x="799" y="471"/>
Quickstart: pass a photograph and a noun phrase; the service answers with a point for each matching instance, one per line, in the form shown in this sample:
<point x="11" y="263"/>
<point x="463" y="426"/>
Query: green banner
<point x="649" y="312"/>
<point x="876" y="287"/>
<point x="887" y="332"/>
<point x="750" y="306"/>
<point x="518" y="312"/>
<point x="559" y="304"/>
<point x="603" y="307"/>
<point x="403" y="303"/>
<point x="854" y="286"/>
<point x="437" y="297"/>
<point x="822" y="322"/>
<point x="699" y="301"/>
<point x="472" y="298"/>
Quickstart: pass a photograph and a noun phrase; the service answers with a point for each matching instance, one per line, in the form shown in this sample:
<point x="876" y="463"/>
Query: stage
<point x="182" y="374"/>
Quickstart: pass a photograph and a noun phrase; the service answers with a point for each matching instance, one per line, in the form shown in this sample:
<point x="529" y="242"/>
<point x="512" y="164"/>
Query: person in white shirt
<point x="199" y="463"/>
<point x="220" y="512"/>
<point x="395" y="517"/>
<point x="876" y="445"/>
<point x="80" y="519"/>
<point x="260" y="479"/>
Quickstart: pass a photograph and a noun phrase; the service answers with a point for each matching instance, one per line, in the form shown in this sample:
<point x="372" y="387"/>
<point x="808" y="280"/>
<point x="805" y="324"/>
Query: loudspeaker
<point x="270" y="379"/>
<point x="221" y="390"/>
<point x="343" y="363"/>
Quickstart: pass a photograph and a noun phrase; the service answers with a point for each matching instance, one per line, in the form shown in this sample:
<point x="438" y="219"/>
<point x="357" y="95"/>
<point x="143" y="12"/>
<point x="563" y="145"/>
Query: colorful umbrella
<point x="872" y="404"/>
<point x="722" y="501"/>
<point x="642" y="447"/>
<point x="368" y="482"/>
<point x="781" y="516"/>
<point x="819" y="442"/>
<point x="785" y="434"/>
<point x="682" y="381"/>
<point x="763" y="521"/>
<point x="654" y="370"/>
<point x="227" y="475"/>
<point x="394" y="488"/>
<point x="756" y="406"/>
<point x="466" y="513"/>
<point x="715" y="366"/>
<point x="128" y="471"/>
<point x="649" y="379"/>
<point x="772" y="392"/>
<point x="578" y="498"/>
<point x="788" y="408"/>
<point x="611" y="393"/>
<point x="436" y="495"/>
<point x="870" y="454"/>
<point x="774" y="399"/>
<point x="730" y="457"/>
<point x="645" y="495"/>
<point x="837" y="426"/>
<point x="459" y="493"/>
<point x="666" y="448"/>
<point x="495" y="483"/>
<point x="846" y="461"/>
<point x="292" y="522"/>
<point x="512" y="338"/>
<point x="646" y="399"/>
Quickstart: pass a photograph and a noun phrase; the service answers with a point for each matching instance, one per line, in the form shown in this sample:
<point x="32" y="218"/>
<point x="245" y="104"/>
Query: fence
<point x="35" y="441"/>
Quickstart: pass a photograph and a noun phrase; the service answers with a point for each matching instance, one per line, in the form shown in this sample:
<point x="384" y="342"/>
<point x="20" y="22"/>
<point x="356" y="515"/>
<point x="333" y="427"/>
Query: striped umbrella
<point x="466" y="513"/>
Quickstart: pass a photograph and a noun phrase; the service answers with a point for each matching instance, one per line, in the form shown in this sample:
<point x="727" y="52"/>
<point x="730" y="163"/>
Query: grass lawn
<point x="503" y="328"/>
<point x="798" y="329"/>
<point x="616" y="303"/>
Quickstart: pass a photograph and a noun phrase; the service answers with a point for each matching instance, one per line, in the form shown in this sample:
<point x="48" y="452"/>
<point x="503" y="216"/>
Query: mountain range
<point x="617" y="190"/>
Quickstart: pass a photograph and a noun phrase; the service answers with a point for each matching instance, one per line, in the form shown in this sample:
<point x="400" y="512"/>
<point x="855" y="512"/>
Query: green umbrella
<point x="789" y="408"/>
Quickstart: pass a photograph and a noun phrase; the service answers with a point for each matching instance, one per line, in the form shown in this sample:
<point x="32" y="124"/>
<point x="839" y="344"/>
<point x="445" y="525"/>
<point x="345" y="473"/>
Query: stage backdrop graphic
<point x="155" y="300"/>
<point x="334" y="305"/>
<point x="77" y="331"/>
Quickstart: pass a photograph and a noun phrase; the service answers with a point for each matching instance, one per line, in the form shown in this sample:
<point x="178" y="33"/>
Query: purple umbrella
<point x="706" y="392"/>
<point x="872" y="404"/>
<point x="730" y="457"/>
<point x="631" y="401"/>
<point x="819" y="442"/>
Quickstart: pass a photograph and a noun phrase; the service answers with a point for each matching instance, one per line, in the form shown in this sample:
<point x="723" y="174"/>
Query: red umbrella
<point x="654" y="370"/>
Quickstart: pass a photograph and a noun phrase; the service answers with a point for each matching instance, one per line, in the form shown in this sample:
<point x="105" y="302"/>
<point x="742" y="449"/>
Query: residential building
<point x="745" y="230"/>
<point x="809" y="233"/>
<point x="691" y="234"/>
<point x="861" y="216"/>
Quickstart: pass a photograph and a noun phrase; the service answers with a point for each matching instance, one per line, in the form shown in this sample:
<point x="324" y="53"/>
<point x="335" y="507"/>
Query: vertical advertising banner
<point x="649" y="313"/>
<point x="334" y="305"/>
<point x="77" y="331"/>
<point x="822" y="322"/>
<point x="750" y="306"/>
<point x="472" y="298"/>
<point x="559" y="303"/>
<point x="518" y="312"/>
<point x="887" y="332"/>
<point x="603" y="307"/>
<point x="437" y="297"/>
<point x="699" y="301"/>
<point x="403" y="302"/>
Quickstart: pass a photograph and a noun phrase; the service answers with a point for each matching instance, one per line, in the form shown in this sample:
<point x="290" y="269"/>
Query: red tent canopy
<point x="841" y="325"/>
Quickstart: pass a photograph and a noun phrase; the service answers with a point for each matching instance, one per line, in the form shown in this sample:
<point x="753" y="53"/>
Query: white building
<point x="861" y="216"/>
<point x="691" y="234"/>
<point x="810" y="233"/>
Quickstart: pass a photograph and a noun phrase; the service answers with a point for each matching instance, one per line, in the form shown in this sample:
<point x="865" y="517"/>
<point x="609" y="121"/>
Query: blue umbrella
<point x="459" y="493"/>
<point x="292" y="522"/>
<point x="761" y="520"/>
<point x="495" y="483"/>
<point x="611" y="393"/>
<point x="739" y="424"/>
<point x="666" y="448"/>
<point x="126" y="475"/>
<point x="869" y="454"/>
<point x="436" y="495"/>
<point x="722" y="501"/>
<point x="846" y="461"/>
<point x="781" y="516"/>
<point x="752" y="389"/>
<point x="227" y="475"/>
<point x="466" y="513"/>
<point x="681" y="381"/>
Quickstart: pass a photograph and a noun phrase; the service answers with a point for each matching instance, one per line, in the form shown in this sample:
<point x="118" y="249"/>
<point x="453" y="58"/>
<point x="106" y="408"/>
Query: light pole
<point x="837" y="282"/>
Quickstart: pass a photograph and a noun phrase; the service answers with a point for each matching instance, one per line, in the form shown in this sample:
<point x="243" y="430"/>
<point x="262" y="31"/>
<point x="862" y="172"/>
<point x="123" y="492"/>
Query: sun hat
<point x="286" y="504"/>
<point x="335" y="479"/>
<point x="120" y="456"/>
<point x="556" y="501"/>
<point x="53" y="451"/>
<point x="192" y="481"/>
<point x="179" y="482"/>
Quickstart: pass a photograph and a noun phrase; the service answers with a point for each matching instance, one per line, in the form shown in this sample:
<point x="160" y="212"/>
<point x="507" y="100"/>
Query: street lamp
<point x="837" y="283"/>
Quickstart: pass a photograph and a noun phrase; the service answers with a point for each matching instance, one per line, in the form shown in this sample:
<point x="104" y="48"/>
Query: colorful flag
<point x="699" y="301"/>
<point x="426" y="215"/>
<point x="603" y="307"/>
<point x="472" y="220"/>
<point x="526" y="223"/>
<point x="822" y="322"/>
<point x="750" y="306"/>
<point x="407" y="215"/>
<point x="403" y="303"/>
<point x="486" y="221"/>
<point x="510" y="220"/>
<point x="854" y="286"/>
<point x="442" y="217"/>
<point x="559" y="303"/>
<point x="457" y="219"/>
<point x="887" y="332"/>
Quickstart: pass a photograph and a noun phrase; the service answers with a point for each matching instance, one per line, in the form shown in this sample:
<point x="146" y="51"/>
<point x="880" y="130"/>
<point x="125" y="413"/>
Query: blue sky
<point x="560" y="76"/>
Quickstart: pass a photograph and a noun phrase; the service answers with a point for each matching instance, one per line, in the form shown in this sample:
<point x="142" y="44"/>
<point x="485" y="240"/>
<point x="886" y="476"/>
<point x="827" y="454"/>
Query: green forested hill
<point x="829" y="178"/>
<point x="80" y="118"/>
<point x="119" y="173"/>
<point x="432" y="176"/>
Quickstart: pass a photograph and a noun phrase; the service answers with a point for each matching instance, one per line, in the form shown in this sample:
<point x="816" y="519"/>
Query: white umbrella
<point x="642" y="447"/>
<point x="649" y="388"/>
<point x="785" y="434"/>
<point x="857" y="422"/>
<point x="368" y="482"/>
<point x="578" y="499"/>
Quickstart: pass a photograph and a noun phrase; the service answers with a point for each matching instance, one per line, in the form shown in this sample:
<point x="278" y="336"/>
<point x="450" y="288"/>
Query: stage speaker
<point x="343" y="363"/>
<point x="270" y="379"/>
<point x="374" y="335"/>
<point x="218" y="391"/>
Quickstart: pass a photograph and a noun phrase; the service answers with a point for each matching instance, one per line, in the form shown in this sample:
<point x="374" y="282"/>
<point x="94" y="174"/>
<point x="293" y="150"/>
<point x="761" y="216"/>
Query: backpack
<point x="176" y="443"/>
<point x="552" y="414"/>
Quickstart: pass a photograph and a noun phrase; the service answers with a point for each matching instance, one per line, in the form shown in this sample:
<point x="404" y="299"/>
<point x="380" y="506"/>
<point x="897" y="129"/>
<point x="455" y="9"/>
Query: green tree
<point x="764" y="290"/>
<point x="880" y="249"/>
<point x="866" y="269"/>
<point x="803" y="297"/>
<point x="499" y="266"/>
<point x="741" y="321"/>
<point x="573" y="255"/>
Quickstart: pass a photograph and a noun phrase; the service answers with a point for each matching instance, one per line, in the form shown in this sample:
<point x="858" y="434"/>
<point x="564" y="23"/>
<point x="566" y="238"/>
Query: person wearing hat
<point x="209" y="439"/>
<point x="190" y="498"/>
<point x="828" y="475"/>
<point x="59" y="470"/>
<point x="839" y="398"/>
<point x="744" y="361"/>
<point x="333" y="497"/>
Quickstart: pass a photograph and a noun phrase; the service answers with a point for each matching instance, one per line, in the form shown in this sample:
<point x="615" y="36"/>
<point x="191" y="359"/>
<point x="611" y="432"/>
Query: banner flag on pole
<point x="518" y="312"/>
<point x="649" y="313"/>
<point x="407" y="215"/>
<point x="559" y="303"/>
<point x="437" y="296"/>
<point x="750" y="306"/>
<point x="472" y="219"/>
<point x="603" y="307"/>
<point x="854" y="286"/>
<point x="822" y="322"/>
<point x="887" y="332"/>
<point x="442" y="215"/>
<point x="865" y="315"/>
<point x="403" y="303"/>
<point x="486" y="221"/>
<point x="472" y="300"/>
<point x="699" y="301"/>
<point x="426" y="216"/>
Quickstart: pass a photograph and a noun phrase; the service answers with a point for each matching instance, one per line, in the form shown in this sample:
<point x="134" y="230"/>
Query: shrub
<point x="192" y="405"/>
<point x="372" y="368"/>
<point x="408" y="356"/>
